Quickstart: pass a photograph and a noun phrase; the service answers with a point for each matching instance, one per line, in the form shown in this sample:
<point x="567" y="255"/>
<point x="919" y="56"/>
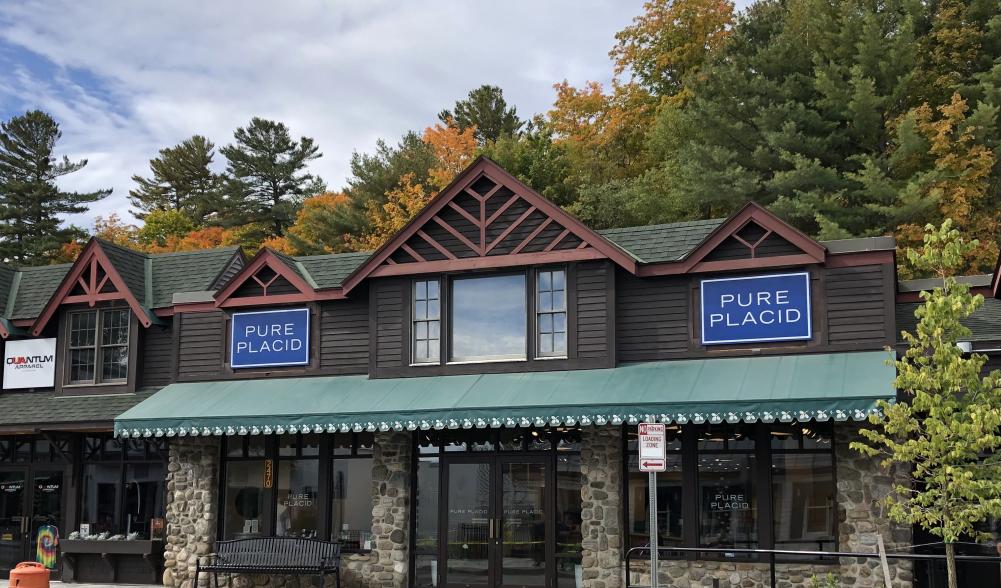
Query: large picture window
<point x="737" y="475"/>
<point x="308" y="485"/>
<point x="122" y="485"/>
<point x="489" y="318"/>
<point x="97" y="348"/>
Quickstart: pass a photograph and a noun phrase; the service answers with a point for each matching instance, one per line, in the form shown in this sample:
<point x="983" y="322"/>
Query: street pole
<point x="653" y="530"/>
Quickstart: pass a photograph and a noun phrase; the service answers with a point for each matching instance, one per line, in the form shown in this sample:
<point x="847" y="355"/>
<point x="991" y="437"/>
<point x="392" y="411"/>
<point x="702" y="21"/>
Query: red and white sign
<point x="653" y="447"/>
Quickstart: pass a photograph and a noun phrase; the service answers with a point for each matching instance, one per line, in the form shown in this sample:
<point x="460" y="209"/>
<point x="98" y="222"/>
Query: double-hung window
<point x="551" y="313"/>
<point x="97" y="350"/>
<point x="427" y="321"/>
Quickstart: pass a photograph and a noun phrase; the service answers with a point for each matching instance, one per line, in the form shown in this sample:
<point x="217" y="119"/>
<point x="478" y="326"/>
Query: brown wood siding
<point x="158" y="354"/>
<point x="651" y="318"/>
<point x="774" y="245"/>
<point x="593" y="280"/>
<point x="344" y="335"/>
<point x="858" y="305"/>
<point x="729" y="249"/>
<point x="389" y="300"/>
<point x="201" y="348"/>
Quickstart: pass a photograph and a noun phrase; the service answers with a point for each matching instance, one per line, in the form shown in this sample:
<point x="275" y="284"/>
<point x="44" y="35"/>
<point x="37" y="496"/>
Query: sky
<point x="125" y="79"/>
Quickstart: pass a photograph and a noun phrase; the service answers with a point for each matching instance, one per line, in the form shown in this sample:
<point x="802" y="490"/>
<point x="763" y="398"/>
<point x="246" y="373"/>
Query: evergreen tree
<point x="30" y="201"/>
<point x="181" y="180"/>
<point x="486" y="110"/>
<point x="267" y="172"/>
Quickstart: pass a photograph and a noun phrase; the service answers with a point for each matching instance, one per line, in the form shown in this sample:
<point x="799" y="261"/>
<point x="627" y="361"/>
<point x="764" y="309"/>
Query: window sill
<point x="476" y="361"/>
<point x="551" y="357"/>
<point x="93" y="385"/>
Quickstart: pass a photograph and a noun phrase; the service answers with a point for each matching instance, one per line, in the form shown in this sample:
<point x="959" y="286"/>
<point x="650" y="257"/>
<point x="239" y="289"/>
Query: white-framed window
<point x="426" y="327"/>
<point x="551" y="313"/>
<point x="97" y="346"/>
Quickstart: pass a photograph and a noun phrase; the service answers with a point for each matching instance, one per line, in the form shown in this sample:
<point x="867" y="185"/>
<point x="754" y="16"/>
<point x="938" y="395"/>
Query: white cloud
<point x="125" y="79"/>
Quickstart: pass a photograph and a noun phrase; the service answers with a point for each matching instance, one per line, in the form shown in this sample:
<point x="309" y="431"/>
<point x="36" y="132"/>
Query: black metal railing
<point x="815" y="557"/>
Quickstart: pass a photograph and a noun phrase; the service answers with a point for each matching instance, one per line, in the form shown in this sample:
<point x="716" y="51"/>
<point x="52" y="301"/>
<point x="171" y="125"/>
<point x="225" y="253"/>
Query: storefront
<point x="460" y="407"/>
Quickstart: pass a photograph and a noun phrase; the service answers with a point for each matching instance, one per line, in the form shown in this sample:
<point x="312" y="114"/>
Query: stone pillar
<point x="862" y="514"/>
<point x="601" y="507"/>
<point x="386" y="566"/>
<point x="191" y="509"/>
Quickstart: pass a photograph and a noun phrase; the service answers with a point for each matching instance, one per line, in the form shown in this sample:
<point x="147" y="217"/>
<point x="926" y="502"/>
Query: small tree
<point x="947" y="433"/>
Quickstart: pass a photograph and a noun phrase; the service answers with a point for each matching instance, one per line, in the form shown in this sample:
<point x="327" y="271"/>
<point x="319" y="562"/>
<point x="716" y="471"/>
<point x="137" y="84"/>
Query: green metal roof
<point x="838" y="386"/>
<point x="329" y="271"/>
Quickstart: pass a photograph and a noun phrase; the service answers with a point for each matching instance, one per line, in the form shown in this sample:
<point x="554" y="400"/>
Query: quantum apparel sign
<point x="29" y="363"/>
<point x="756" y="309"/>
<point x="270" y="338"/>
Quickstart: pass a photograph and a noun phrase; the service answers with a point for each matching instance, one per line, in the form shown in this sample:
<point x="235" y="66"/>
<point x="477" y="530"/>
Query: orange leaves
<point x="670" y="40"/>
<point x="960" y="180"/>
<point x="454" y="150"/>
<point x="385" y="220"/>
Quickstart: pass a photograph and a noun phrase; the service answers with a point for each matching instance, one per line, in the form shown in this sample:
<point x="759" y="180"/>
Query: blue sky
<point x="125" y="78"/>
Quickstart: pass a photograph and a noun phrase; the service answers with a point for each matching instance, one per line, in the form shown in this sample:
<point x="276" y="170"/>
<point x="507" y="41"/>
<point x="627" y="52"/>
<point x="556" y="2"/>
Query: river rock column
<point x="601" y="506"/>
<point x="862" y="486"/>
<point x="191" y="509"/>
<point x="386" y="565"/>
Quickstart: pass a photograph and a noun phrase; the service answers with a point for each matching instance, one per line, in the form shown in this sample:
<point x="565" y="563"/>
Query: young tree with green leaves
<point x="267" y="172"/>
<point x="948" y="431"/>
<point x="30" y="201"/>
<point x="181" y="180"/>
<point x="485" y="109"/>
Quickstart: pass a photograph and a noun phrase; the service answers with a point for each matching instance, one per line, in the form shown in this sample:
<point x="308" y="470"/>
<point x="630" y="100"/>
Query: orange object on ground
<point x="29" y="574"/>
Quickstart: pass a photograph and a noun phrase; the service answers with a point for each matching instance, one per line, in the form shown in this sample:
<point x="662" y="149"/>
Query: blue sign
<point x="756" y="309"/>
<point x="270" y="338"/>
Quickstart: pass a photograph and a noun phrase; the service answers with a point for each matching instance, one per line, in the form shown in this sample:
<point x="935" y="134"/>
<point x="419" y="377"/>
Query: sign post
<point x="653" y="459"/>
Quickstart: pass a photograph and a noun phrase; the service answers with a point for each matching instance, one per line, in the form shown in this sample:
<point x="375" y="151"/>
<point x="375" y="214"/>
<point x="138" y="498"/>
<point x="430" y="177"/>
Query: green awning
<point x="839" y="386"/>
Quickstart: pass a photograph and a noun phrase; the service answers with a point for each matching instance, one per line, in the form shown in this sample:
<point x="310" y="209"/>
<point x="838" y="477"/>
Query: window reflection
<point x="488" y="318"/>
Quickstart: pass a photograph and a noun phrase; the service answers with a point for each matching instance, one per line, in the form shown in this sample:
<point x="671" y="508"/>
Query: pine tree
<point x="181" y="180"/>
<point x="267" y="172"/>
<point x="30" y="201"/>
<point x="486" y="110"/>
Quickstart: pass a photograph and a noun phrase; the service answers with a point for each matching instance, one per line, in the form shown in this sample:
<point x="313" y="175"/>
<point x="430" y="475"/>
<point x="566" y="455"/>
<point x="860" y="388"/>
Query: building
<point x="459" y="407"/>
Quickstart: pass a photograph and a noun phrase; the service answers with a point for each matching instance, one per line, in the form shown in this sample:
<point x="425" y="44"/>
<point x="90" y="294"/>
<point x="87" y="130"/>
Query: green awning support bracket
<point x="792" y="388"/>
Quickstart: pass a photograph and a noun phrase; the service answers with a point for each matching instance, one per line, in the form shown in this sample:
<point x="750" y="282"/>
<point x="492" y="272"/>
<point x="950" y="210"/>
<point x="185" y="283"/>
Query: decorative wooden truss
<point x="269" y="278"/>
<point x="751" y="239"/>
<point x="487" y="218"/>
<point x="92" y="279"/>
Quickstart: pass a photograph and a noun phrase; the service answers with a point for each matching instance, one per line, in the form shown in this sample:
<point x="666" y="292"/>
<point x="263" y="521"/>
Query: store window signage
<point x="270" y="338"/>
<point x="29" y="363"/>
<point x="756" y="309"/>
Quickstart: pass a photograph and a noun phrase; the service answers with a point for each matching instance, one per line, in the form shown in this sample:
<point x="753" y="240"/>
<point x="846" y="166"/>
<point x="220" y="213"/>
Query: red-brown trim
<point x="996" y="279"/>
<point x="91" y="255"/>
<point x="264" y="257"/>
<point x="4" y="333"/>
<point x="484" y="167"/>
<point x="475" y="263"/>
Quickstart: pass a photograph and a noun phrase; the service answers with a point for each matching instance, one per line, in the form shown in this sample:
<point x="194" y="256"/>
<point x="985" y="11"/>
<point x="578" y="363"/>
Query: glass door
<point x="469" y="524"/>
<point x="13" y="519"/>
<point x="522" y="544"/>
<point x="496" y="522"/>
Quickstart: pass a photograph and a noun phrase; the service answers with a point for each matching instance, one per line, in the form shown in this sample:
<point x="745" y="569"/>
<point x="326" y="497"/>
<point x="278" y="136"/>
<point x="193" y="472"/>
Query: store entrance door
<point x="31" y="515"/>
<point x="496" y="519"/>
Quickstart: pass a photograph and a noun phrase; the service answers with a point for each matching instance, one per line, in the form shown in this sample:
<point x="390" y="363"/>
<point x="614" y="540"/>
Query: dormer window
<point x="97" y="346"/>
<point x="551" y="313"/>
<point x="427" y="321"/>
<point x="488" y="318"/>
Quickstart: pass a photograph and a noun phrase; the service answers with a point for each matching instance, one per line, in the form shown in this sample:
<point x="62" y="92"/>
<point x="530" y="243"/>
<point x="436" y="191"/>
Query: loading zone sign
<point x="653" y="447"/>
<point x="756" y="309"/>
<point x="270" y="338"/>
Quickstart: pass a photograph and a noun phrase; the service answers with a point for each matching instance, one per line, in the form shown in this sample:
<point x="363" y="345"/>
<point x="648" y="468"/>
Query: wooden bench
<point x="273" y="555"/>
